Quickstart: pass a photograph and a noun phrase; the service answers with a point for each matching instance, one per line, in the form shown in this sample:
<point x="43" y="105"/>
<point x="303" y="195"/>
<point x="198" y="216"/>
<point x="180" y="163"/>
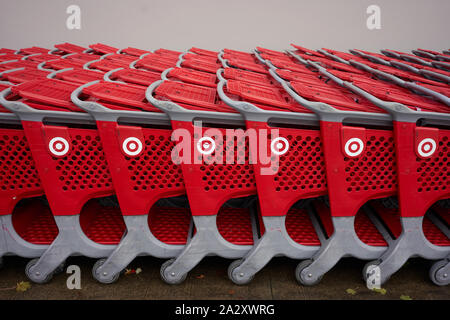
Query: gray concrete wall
<point x="238" y="24"/>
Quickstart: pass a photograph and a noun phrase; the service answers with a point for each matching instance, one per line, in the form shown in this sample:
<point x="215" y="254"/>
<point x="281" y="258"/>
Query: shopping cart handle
<point x="332" y="56"/>
<point x="166" y="106"/>
<point x="87" y="64"/>
<point x="88" y="106"/>
<point x="41" y="65"/>
<point x="30" y="55"/>
<point x="318" y="107"/>
<point x="392" y="107"/>
<point x="11" y="70"/>
<point x="416" y="60"/>
<point x="165" y="73"/>
<point x="424" y="54"/>
<point x="180" y="59"/>
<point x="25" y="112"/>
<point x="435" y="75"/>
<point x="258" y="56"/>
<point x="53" y="74"/>
<point x="242" y="107"/>
<point x="222" y="60"/>
<point x="107" y="76"/>
<point x="438" y="96"/>
<point x="379" y="73"/>
<point x="404" y="66"/>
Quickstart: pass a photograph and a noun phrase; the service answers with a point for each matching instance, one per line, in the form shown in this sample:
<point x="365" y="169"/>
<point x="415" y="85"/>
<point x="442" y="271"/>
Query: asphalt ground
<point x="209" y="281"/>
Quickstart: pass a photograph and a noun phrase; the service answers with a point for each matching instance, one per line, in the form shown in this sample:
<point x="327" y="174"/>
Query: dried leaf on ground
<point x="138" y="270"/>
<point x="23" y="286"/>
<point x="404" y="297"/>
<point x="381" y="290"/>
<point x="351" y="291"/>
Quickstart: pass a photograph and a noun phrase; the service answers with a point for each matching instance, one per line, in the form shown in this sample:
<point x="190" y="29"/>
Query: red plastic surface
<point x="170" y="225"/>
<point x="33" y="50"/>
<point x="194" y="76"/>
<point x="138" y="77"/>
<point x="422" y="181"/>
<point x="300" y="228"/>
<point x="204" y="52"/>
<point x="102" y="224"/>
<point x="34" y="223"/>
<point x="103" y="48"/>
<point x="18" y="176"/>
<point x="70" y="180"/>
<point x="80" y="76"/>
<point x="69" y="48"/>
<point x="354" y="181"/>
<point x="134" y="51"/>
<point x="48" y="91"/>
<point x="142" y="180"/>
<point x="235" y="225"/>
<point x="27" y="74"/>
<point x="191" y="95"/>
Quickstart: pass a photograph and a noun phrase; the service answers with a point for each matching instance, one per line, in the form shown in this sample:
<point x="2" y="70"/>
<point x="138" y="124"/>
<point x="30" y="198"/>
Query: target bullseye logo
<point x="354" y="147"/>
<point x="426" y="147"/>
<point x="206" y="145"/>
<point x="279" y="146"/>
<point x="132" y="146"/>
<point x="58" y="146"/>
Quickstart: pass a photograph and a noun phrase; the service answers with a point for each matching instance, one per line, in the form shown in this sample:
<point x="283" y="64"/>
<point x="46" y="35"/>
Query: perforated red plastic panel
<point x="367" y="232"/>
<point x="34" y="223"/>
<point x="434" y="234"/>
<point x="300" y="228"/>
<point x="433" y="173"/>
<point x="235" y="225"/>
<point x="18" y="175"/>
<point x="17" y="64"/>
<point x="102" y="224"/>
<point x="227" y="177"/>
<point x="302" y="168"/>
<point x="33" y="50"/>
<point x="85" y="167"/>
<point x="154" y="169"/>
<point x="170" y="225"/>
<point x="376" y="170"/>
<point x="155" y="63"/>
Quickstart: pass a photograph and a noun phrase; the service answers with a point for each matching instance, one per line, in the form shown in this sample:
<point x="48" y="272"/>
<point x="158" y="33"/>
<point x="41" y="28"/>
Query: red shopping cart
<point x="220" y="228"/>
<point x="73" y="172"/>
<point x="359" y="158"/>
<point x="136" y="138"/>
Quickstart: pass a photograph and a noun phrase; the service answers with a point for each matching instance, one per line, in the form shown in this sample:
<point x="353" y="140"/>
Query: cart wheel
<point x="171" y="280"/>
<point x="366" y="267"/>
<point x="439" y="280"/>
<point x="305" y="280"/>
<point x="32" y="276"/>
<point x="237" y="280"/>
<point x="60" y="268"/>
<point x="103" y="280"/>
